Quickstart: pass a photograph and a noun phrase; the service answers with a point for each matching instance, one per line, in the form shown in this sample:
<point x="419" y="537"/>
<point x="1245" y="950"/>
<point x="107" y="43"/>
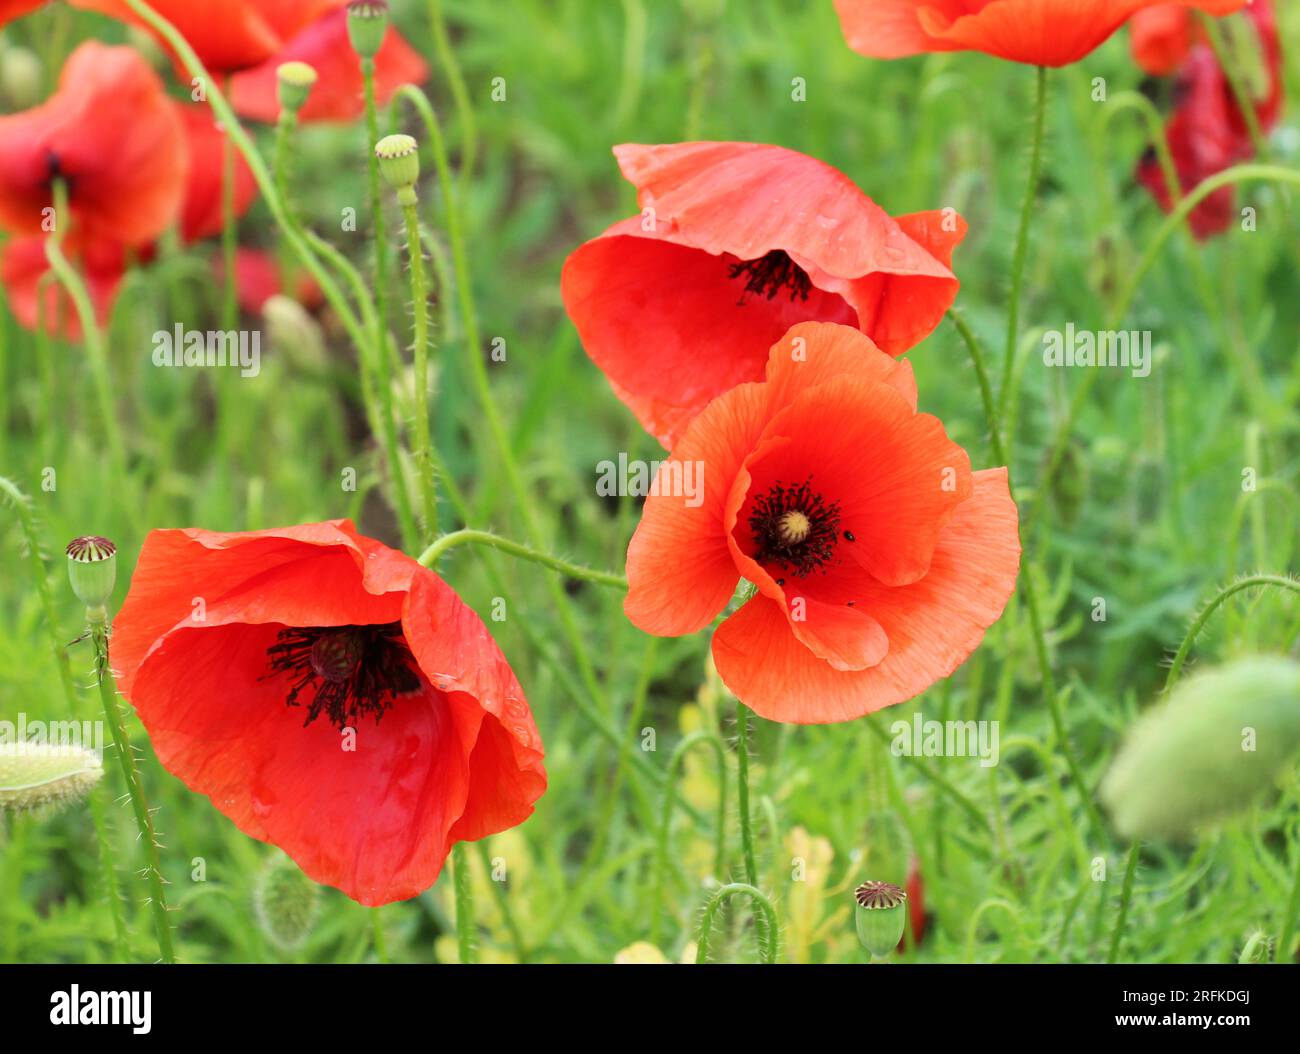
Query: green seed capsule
<point x="367" y="24"/>
<point x="92" y="569"/>
<point x="1217" y="741"/>
<point x="399" y="164"/>
<point x="294" y="82"/>
<point x="881" y="914"/>
<point x="39" y="776"/>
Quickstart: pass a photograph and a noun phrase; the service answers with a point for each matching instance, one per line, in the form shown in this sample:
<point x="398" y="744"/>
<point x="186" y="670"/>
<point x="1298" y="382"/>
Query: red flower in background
<point x="307" y="632"/>
<point x="112" y="135"/>
<point x="23" y="266"/>
<point x="1160" y="38"/>
<point x="736" y="243"/>
<point x="11" y="9"/>
<point x="201" y="213"/>
<point x="1208" y="131"/>
<point x="337" y="94"/>
<point x="879" y="557"/>
<point x="1039" y="32"/>
<point x="257" y="279"/>
<point x="227" y="35"/>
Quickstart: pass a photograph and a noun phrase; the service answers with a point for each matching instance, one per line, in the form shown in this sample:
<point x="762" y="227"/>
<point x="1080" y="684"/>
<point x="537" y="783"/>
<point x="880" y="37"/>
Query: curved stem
<point x="420" y="347"/>
<point x="1193" y="631"/>
<point x="1125" y="897"/>
<point x="464" y="904"/>
<point x="766" y="948"/>
<point x="135" y="789"/>
<point x="670" y="797"/>
<point x="986" y="391"/>
<point x="229" y="235"/>
<point x="92" y="337"/>
<point x="1022" y="237"/>
<point x="431" y="555"/>
<point x="742" y="792"/>
<point x="460" y="96"/>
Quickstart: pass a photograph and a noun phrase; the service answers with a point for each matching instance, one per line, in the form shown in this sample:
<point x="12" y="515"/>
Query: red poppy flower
<point x="337" y="94"/>
<point x="227" y="35"/>
<point x="736" y="243"/>
<point x="303" y="634"/>
<point x="11" y="9"/>
<point x="1040" y="32"/>
<point x="1160" y="38"/>
<point x="25" y="273"/>
<point x="257" y="279"/>
<point x="112" y="135"/>
<point x="878" y="556"/>
<point x="1208" y="131"/>
<point x="201" y="214"/>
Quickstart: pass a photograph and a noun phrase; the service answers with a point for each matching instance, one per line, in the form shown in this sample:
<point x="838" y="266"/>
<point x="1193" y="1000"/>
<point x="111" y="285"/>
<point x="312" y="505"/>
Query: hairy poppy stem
<point x="767" y="948"/>
<point x="465" y="935"/>
<point x="1194" y="630"/>
<point x="431" y="555"/>
<point x="420" y="350"/>
<point x="285" y="129"/>
<point x="135" y="789"/>
<point x="459" y="93"/>
<point x="380" y="231"/>
<point x="1022" y="239"/>
<point x="766" y="930"/>
<point x="96" y="351"/>
<point x="229" y="234"/>
<point x="1286" y="937"/>
<point x="1125" y="897"/>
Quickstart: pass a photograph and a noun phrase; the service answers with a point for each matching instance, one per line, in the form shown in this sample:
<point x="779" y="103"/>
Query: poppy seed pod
<point x="367" y="24"/>
<point x="92" y="569"/>
<point x="36" y="776"/>
<point x="399" y="163"/>
<point x="294" y="82"/>
<point x="1220" y="738"/>
<point x="286" y="902"/>
<point x="881" y="914"/>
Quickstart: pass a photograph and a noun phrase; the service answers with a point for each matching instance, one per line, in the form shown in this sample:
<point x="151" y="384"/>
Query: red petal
<point x="201" y="215"/>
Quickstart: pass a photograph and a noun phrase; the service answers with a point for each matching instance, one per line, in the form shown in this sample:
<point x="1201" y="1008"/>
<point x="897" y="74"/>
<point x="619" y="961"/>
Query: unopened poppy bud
<point x="881" y="914"/>
<point x="293" y="331"/>
<point x="1257" y="949"/>
<point x="367" y="24"/>
<point x="92" y="569"/>
<point x="294" y="82"/>
<point x="44" y="776"/>
<point x="286" y="901"/>
<point x="20" y="77"/>
<point x="399" y="162"/>
<point x="1203" y="753"/>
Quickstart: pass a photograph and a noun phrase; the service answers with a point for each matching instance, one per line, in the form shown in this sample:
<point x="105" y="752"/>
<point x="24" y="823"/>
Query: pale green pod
<point x="42" y="776"/>
<point x="880" y="915"/>
<point x="286" y="902"/>
<point x="294" y="82"/>
<point x="367" y="24"/>
<point x="1219" y="739"/>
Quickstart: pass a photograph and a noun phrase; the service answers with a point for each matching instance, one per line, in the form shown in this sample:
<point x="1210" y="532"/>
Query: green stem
<point x="377" y="211"/>
<point x="742" y="792"/>
<point x="1022" y="238"/>
<point x="431" y="555"/>
<point x="1125" y="897"/>
<point x="1193" y="631"/>
<point x="92" y="337"/>
<point x="377" y="937"/>
<point x="448" y="63"/>
<point x="767" y="949"/>
<point x="464" y="904"/>
<point x="135" y="789"/>
<point x="1284" y="941"/>
<point x="986" y="391"/>
<point x="420" y="347"/>
<point x="285" y="128"/>
<point x="229" y="234"/>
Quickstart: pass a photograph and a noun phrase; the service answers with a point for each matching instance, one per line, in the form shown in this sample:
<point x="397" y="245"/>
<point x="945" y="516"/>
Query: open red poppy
<point x="736" y="243"/>
<point x="201" y="213"/>
<point x="39" y="302"/>
<point x="1208" y="131"/>
<point x="1040" y="32"/>
<point x="330" y="696"/>
<point x="227" y="35"/>
<point x="879" y="558"/>
<point x="115" y="139"/>
<point x="337" y="94"/>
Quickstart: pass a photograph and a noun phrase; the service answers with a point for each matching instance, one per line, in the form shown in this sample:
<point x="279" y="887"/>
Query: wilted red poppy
<point x="201" y="213"/>
<point x="112" y="135"/>
<point x="879" y="558"/>
<point x="1208" y="131"/>
<point x="736" y="243"/>
<point x="330" y="696"/>
<point x="25" y="272"/>
<point x="1040" y="32"/>
<point x="227" y="35"/>
<point x="337" y="94"/>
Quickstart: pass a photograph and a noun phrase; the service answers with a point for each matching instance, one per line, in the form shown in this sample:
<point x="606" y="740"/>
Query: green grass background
<point x="1150" y="515"/>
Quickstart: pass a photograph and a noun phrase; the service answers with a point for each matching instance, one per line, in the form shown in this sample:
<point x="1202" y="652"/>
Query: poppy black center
<point x="770" y="274"/>
<point x="354" y="671"/>
<point x="794" y="527"/>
